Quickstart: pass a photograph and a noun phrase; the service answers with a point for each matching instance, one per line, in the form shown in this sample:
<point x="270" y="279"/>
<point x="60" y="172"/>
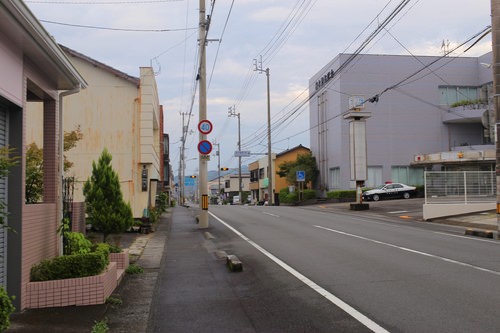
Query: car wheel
<point x="376" y="197"/>
<point x="406" y="195"/>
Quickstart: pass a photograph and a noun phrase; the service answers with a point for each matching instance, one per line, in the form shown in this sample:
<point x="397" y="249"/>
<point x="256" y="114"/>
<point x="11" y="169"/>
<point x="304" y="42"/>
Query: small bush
<point x="114" y="248"/>
<point x="309" y="194"/>
<point x="76" y="243"/>
<point x="72" y="266"/>
<point x="6" y="309"/>
<point x="100" y="326"/>
<point x="134" y="269"/>
<point x="114" y="301"/>
<point x="341" y="194"/>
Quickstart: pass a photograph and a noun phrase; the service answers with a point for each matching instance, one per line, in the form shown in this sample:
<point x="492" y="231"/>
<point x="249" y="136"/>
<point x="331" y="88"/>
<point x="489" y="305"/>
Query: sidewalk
<point x="136" y="292"/>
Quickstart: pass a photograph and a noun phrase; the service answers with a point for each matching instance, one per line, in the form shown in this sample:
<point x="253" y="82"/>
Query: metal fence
<point x="460" y="187"/>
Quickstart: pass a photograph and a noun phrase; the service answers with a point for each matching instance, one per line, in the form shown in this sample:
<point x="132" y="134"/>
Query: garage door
<point x="3" y="196"/>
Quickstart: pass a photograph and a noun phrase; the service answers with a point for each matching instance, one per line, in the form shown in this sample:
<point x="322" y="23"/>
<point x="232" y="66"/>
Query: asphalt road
<point x="359" y="271"/>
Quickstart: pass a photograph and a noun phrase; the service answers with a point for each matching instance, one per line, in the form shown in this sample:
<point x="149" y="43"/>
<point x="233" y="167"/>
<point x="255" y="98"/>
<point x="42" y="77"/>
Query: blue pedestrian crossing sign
<point x="301" y="176"/>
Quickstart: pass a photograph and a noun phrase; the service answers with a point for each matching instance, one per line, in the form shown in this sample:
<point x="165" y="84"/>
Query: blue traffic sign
<point x="301" y="176"/>
<point x="205" y="147"/>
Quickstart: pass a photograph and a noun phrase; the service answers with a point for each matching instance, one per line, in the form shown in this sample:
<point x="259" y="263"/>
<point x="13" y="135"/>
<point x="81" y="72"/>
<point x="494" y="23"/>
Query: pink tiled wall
<point x="39" y="239"/>
<point x="80" y="291"/>
<point x="121" y="259"/>
<point x="79" y="217"/>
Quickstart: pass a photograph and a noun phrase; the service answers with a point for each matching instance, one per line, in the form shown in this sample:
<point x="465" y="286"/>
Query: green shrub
<point x="341" y="194"/>
<point x="134" y="269"/>
<point x="6" y="308"/>
<point x="76" y="243"/>
<point x="72" y="266"/>
<point x="114" y="301"/>
<point x="114" y="248"/>
<point x="100" y="327"/>
<point x="309" y="194"/>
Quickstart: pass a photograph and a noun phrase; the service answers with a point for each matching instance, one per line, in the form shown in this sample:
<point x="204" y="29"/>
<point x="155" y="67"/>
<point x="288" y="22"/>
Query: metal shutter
<point x="3" y="194"/>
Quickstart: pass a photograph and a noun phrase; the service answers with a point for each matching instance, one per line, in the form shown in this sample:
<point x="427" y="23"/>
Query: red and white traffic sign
<point x="205" y="147"/>
<point x="205" y="127"/>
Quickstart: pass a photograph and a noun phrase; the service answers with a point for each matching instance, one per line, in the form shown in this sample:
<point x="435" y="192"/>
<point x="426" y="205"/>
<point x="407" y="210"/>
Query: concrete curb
<point x="479" y="233"/>
<point x="233" y="263"/>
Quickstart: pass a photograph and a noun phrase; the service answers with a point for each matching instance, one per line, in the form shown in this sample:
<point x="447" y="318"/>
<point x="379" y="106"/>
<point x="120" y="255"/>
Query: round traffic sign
<point x="205" y="126"/>
<point x="205" y="147"/>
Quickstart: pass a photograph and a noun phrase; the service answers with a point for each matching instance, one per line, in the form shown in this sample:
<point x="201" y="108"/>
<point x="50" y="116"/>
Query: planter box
<point x="88" y="290"/>
<point x="121" y="259"/>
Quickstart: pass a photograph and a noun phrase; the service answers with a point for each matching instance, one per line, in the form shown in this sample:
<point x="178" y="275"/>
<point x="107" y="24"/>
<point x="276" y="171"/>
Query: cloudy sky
<point x="294" y="39"/>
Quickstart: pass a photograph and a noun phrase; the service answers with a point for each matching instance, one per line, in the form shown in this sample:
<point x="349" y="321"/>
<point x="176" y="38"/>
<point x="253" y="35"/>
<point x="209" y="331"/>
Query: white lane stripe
<point x="398" y="212"/>
<point x="414" y="251"/>
<point x="468" y="237"/>
<point x="274" y="215"/>
<point x="320" y="290"/>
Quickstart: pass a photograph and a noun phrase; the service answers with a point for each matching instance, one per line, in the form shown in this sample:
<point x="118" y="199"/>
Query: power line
<point x="114" y="29"/>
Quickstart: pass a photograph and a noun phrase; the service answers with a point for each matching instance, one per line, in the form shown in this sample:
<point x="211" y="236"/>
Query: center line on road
<point x="398" y="212"/>
<point x="270" y="214"/>
<point x="413" y="251"/>
<point x="373" y="326"/>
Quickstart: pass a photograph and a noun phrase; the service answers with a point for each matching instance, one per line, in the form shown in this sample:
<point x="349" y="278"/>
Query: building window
<point x="227" y="184"/>
<point x="452" y="94"/>
<point x="261" y="173"/>
<point x="334" y="178"/>
<point x="407" y="175"/>
<point x="374" y="176"/>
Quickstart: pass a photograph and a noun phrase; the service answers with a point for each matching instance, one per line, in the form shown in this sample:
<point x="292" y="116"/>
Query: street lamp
<point x="232" y="113"/>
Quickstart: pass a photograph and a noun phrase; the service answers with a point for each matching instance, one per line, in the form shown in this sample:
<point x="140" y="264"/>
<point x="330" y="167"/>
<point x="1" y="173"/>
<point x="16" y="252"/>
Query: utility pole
<point x="182" y="160"/>
<point x="218" y="168"/>
<point x="495" y="33"/>
<point x="202" y="78"/>
<point x="232" y="113"/>
<point x="258" y="68"/>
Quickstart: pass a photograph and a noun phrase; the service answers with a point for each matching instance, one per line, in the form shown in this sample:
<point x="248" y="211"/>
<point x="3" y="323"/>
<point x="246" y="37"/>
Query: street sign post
<point x="301" y="176"/>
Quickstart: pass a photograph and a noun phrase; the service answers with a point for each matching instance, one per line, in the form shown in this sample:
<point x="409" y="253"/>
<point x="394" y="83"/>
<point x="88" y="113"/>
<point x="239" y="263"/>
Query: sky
<point x="294" y="39"/>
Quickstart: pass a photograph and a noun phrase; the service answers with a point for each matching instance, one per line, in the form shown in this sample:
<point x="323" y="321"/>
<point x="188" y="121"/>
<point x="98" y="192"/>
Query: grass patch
<point x="134" y="269"/>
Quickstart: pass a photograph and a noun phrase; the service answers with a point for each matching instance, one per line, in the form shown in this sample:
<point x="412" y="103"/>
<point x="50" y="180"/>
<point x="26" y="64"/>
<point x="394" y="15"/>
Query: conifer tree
<point x="106" y="209"/>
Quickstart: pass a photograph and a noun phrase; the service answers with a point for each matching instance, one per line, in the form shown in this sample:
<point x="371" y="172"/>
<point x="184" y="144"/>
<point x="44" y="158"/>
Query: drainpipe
<point x="61" y="157"/>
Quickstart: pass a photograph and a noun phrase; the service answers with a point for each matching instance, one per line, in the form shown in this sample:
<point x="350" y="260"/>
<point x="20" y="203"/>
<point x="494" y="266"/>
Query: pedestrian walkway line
<point x="373" y="326"/>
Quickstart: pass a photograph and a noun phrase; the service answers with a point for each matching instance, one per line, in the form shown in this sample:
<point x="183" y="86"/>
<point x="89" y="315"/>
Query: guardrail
<point x="452" y="187"/>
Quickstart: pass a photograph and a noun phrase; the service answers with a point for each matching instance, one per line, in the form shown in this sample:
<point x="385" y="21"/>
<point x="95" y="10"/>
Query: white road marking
<point x="274" y="215"/>
<point x="468" y="237"/>
<point x="414" y="251"/>
<point x="398" y="212"/>
<point x="320" y="290"/>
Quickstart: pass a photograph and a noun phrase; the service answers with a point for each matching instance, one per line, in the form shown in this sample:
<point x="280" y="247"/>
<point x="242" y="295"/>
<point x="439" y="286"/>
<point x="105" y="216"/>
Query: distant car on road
<point x="390" y="191"/>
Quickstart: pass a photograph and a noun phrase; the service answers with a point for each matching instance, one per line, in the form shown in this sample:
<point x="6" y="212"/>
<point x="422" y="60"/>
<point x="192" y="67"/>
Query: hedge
<point x="338" y="194"/>
<point x="72" y="266"/>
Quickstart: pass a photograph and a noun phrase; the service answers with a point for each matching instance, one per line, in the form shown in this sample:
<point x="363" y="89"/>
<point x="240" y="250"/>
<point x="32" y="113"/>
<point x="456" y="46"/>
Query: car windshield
<point x="380" y="187"/>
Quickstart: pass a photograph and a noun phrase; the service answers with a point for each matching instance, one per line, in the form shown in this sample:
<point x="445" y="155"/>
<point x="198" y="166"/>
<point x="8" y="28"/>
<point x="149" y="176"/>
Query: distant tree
<point x="70" y="141"/>
<point x="106" y="209"/>
<point x="304" y="162"/>
<point x="34" y="173"/>
<point x="34" y="165"/>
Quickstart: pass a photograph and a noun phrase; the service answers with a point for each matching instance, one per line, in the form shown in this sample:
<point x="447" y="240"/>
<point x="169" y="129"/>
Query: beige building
<point x="118" y="112"/>
<point x="259" y="178"/>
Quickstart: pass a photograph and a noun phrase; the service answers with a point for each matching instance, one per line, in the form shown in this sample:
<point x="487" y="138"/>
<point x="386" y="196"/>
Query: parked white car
<point x="388" y="191"/>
